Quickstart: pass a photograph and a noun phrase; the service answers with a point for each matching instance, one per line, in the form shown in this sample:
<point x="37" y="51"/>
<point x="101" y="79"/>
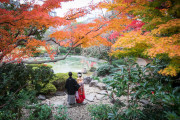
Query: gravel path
<point x="79" y="111"/>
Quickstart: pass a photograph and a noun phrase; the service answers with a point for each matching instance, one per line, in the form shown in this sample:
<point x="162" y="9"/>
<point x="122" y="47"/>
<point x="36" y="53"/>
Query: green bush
<point x="48" y="89"/>
<point x="34" y="66"/>
<point x="59" y="80"/>
<point x="105" y="69"/>
<point x="146" y="83"/>
<point x="92" y="69"/>
<point x="19" y="86"/>
<point x="41" y="75"/>
<point x="13" y="93"/>
<point x="61" y="113"/>
<point x="44" y="112"/>
<point x="99" y="112"/>
<point x="40" y="112"/>
<point x="7" y="115"/>
<point x="63" y="50"/>
<point x="118" y="62"/>
<point x="77" y="50"/>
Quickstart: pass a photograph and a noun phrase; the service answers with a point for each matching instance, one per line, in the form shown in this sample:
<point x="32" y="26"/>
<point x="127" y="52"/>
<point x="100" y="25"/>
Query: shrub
<point x="139" y="83"/>
<point x="63" y="50"/>
<point x="40" y="112"/>
<point x="61" y="113"/>
<point x="77" y="50"/>
<point x="96" y="78"/>
<point x="48" y="89"/>
<point x="7" y="115"/>
<point x="34" y="66"/>
<point x="13" y="93"/>
<point x="99" y="112"/>
<point x="44" y="112"/>
<point x="116" y="63"/>
<point x="105" y="69"/>
<point x="41" y="75"/>
<point x="19" y="85"/>
<point x="92" y="69"/>
<point x="59" y="80"/>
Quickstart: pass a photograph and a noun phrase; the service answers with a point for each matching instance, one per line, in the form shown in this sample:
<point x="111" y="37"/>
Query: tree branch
<point x="43" y="61"/>
<point x="51" y="39"/>
<point x="7" y="23"/>
<point x="32" y="32"/>
<point x="71" y="17"/>
<point x="18" y="42"/>
<point x="17" y="34"/>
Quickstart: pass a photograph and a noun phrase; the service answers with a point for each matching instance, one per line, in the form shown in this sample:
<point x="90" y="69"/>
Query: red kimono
<point x="80" y="94"/>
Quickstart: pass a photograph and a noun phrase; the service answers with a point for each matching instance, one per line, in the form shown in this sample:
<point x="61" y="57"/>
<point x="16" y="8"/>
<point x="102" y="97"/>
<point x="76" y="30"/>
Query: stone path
<point x="79" y="112"/>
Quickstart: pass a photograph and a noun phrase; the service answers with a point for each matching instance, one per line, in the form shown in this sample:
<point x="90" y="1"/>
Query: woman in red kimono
<point x="80" y="95"/>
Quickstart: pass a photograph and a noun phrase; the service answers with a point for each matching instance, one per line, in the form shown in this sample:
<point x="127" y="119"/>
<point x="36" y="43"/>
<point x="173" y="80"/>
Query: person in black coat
<point x="72" y="86"/>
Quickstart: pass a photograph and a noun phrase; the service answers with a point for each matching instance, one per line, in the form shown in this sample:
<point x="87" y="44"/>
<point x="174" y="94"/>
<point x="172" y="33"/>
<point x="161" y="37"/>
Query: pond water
<point x="75" y="64"/>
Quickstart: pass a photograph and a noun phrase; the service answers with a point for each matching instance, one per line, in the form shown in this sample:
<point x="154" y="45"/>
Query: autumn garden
<point x="127" y="31"/>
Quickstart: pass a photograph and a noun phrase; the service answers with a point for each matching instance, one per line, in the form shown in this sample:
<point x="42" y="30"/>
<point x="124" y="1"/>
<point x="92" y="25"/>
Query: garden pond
<point x="75" y="64"/>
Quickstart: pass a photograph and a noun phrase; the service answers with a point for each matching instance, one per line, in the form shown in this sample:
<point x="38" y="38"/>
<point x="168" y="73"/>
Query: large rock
<point x="60" y="93"/>
<point x="49" y="96"/>
<point x="103" y="92"/>
<point x="58" y="103"/>
<point x="93" y="83"/>
<point x="141" y="62"/>
<point x="99" y="97"/>
<point x="145" y="102"/>
<point x="87" y="80"/>
<point x="41" y="97"/>
<point x="90" y="97"/>
<point x="101" y="86"/>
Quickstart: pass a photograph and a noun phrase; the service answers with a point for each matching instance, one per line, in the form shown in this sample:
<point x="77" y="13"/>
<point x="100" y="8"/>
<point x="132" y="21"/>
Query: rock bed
<point x="94" y="95"/>
<point x="79" y="112"/>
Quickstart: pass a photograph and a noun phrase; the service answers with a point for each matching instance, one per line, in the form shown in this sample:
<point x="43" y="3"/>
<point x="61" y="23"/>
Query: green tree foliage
<point x="19" y="85"/>
<point x="140" y="83"/>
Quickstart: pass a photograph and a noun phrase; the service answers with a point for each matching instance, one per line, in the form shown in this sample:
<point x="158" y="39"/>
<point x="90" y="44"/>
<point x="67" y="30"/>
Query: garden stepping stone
<point x="101" y="86"/>
<point x="60" y="93"/>
<point x="99" y="97"/>
<point x="87" y="80"/>
<point x="57" y="103"/>
<point x="93" y="83"/>
<point x="90" y="97"/>
<point x="102" y="92"/>
<point x="41" y="97"/>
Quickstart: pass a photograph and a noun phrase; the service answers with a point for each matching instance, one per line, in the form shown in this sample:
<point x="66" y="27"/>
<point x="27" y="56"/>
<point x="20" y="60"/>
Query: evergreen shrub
<point x="48" y="89"/>
<point x="104" y="69"/>
<point x="59" y="80"/>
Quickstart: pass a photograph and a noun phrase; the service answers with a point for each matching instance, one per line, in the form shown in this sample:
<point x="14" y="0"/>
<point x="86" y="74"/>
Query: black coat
<point x="72" y="86"/>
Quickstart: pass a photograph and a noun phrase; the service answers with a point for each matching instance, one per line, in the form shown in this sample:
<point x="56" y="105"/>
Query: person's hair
<point x="79" y="74"/>
<point x="70" y="74"/>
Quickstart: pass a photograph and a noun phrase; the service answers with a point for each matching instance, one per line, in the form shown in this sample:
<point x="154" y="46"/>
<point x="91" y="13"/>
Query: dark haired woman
<point x="80" y="95"/>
